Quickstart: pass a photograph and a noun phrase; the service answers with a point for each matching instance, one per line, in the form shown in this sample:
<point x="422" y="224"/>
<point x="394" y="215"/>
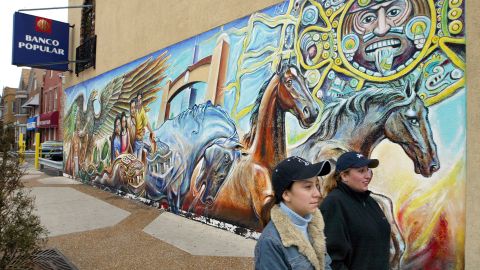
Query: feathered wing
<point x="116" y="96"/>
<point x="70" y="118"/>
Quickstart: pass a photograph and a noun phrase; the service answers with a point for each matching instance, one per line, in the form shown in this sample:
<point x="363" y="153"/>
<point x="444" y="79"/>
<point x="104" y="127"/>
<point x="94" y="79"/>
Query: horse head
<point x="295" y="97"/>
<point x="215" y="166"/>
<point x="409" y="127"/>
<point x="187" y="136"/>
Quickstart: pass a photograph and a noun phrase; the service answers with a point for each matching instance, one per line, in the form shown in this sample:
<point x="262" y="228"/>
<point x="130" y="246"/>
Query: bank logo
<point x="43" y="25"/>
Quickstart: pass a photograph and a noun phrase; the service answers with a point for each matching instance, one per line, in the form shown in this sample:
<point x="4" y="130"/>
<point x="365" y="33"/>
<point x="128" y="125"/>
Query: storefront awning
<point x="32" y="123"/>
<point x="33" y="101"/>
<point x="48" y="120"/>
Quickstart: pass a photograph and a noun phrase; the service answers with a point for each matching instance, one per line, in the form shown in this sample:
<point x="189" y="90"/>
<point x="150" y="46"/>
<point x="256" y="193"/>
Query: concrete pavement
<point x="100" y="230"/>
<point x="197" y="238"/>
<point x="65" y="210"/>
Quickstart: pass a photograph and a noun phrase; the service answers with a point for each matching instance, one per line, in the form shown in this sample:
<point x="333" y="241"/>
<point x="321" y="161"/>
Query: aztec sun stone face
<point x="381" y="36"/>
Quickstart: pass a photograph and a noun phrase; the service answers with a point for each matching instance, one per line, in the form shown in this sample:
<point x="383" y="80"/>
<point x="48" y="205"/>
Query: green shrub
<point x="21" y="234"/>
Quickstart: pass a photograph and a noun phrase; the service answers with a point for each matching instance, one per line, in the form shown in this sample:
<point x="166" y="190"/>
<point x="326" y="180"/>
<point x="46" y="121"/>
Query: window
<point x="85" y="53"/>
<point x="87" y="30"/>
<point x="46" y="102"/>
<point x="50" y="101"/>
<point x="55" y="99"/>
<point x="22" y="109"/>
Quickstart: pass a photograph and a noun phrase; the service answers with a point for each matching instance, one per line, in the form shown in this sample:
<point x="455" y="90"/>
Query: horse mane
<point x="248" y="137"/>
<point x="193" y="112"/>
<point x="197" y="114"/>
<point x="355" y="107"/>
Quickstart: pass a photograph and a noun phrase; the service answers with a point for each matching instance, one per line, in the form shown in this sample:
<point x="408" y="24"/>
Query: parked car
<point x="52" y="150"/>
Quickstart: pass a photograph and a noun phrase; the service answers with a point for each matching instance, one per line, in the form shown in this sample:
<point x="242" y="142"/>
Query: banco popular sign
<point x="39" y="42"/>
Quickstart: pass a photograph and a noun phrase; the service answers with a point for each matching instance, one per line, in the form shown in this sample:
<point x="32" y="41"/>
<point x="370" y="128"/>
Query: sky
<point x="10" y="74"/>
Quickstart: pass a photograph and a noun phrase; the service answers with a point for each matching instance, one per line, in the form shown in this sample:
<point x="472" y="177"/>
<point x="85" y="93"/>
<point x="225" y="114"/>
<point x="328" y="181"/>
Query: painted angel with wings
<point x="85" y="125"/>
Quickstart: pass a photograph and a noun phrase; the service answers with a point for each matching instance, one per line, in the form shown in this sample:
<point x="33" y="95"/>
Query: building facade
<point x="8" y="101"/>
<point x="319" y="39"/>
<point x="34" y="90"/>
<point x="51" y="107"/>
<point x="36" y="106"/>
<point x="21" y="113"/>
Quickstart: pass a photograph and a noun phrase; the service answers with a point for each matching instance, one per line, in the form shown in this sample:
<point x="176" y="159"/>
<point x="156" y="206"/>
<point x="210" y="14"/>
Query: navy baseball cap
<point x="295" y="169"/>
<point x="354" y="160"/>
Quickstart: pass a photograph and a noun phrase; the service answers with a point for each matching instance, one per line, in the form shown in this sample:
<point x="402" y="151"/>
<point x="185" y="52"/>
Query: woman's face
<point x="303" y="197"/>
<point x="132" y="108"/>
<point x="124" y="122"/>
<point x="357" y="178"/>
<point x="117" y="126"/>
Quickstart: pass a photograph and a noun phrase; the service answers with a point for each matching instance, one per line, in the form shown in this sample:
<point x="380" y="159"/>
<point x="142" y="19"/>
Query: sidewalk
<point x="95" y="229"/>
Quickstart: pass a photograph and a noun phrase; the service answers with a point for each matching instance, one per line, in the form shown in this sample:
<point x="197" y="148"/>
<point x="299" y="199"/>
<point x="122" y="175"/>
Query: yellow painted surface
<point x="21" y="148"/>
<point x="37" y="150"/>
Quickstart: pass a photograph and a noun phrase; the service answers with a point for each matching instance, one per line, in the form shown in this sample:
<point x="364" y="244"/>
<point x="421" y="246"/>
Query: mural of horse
<point x="187" y="136"/>
<point x="360" y="122"/>
<point x="363" y="120"/>
<point x="355" y="68"/>
<point x="247" y="188"/>
<point x="209" y="175"/>
<point x="285" y="92"/>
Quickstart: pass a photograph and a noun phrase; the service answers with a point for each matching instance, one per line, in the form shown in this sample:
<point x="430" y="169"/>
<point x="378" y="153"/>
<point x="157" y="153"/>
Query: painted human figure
<point x="141" y="122"/>
<point x="75" y="152"/>
<point x="132" y="130"/>
<point x="126" y="146"/>
<point x="116" y="139"/>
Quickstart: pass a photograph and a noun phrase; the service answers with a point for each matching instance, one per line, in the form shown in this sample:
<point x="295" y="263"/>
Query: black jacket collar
<point x="360" y="196"/>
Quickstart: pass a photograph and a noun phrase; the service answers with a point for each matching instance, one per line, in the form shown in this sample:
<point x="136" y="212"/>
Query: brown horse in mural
<point x="360" y="123"/>
<point x="247" y="188"/>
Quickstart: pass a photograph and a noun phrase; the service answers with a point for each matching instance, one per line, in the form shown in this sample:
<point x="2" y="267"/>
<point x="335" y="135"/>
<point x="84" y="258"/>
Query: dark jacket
<point x="357" y="231"/>
<point x="283" y="246"/>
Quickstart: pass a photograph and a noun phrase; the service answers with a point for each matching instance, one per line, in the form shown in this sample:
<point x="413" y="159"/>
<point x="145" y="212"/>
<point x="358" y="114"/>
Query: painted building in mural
<point x="197" y="127"/>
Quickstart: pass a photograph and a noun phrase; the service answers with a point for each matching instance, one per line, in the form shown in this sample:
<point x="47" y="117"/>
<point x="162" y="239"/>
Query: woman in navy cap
<point x="293" y="239"/>
<point x="357" y="231"/>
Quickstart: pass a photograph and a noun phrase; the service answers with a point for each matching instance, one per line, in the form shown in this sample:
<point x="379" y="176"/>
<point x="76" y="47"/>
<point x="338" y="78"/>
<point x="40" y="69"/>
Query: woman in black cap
<point x="357" y="231"/>
<point x="293" y="239"/>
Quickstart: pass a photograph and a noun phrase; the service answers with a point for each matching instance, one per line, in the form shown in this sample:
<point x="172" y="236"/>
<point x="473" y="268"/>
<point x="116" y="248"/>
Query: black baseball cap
<point x="354" y="160"/>
<point x="295" y="169"/>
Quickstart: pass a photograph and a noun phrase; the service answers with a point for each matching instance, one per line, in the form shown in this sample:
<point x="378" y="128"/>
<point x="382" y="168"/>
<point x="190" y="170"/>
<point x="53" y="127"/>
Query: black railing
<point x="86" y="54"/>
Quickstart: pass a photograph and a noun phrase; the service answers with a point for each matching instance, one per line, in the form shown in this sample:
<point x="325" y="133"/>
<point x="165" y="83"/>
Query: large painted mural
<point x="197" y="127"/>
